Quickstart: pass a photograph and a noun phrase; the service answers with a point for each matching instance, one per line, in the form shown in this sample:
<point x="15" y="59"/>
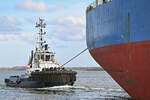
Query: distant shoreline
<point x="16" y="68"/>
<point x="13" y="68"/>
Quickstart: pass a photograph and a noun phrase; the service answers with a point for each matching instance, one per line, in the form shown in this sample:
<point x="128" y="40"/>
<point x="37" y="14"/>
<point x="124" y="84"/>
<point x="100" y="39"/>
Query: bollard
<point x="96" y="3"/>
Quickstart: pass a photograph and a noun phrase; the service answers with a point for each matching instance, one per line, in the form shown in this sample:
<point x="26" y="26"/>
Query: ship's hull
<point x="129" y="65"/>
<point x="118" y="38"/>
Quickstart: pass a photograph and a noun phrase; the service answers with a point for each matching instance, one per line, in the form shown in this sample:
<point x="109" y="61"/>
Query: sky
<point x="66" y="30"/>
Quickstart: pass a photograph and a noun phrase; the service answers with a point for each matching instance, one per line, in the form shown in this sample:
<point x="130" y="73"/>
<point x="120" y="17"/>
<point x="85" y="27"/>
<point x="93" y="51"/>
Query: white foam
<point x="85" y="88"/>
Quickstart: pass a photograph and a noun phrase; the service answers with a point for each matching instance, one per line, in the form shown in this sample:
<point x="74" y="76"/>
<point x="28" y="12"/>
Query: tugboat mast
<point x="41" y="26"/>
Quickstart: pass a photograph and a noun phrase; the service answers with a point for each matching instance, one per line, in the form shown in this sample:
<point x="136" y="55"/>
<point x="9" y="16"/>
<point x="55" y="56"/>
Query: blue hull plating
<point x="119" y="21"/>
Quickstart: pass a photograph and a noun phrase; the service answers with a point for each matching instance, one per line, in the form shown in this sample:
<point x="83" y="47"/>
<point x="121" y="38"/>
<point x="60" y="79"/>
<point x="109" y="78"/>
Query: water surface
<point x="90" y="85"/>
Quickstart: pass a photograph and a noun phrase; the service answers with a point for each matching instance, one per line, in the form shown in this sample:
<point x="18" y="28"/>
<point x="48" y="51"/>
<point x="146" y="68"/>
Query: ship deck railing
<point x="96" y="3"/>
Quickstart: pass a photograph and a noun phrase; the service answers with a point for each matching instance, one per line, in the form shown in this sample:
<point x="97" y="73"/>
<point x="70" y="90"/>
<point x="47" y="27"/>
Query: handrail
<point x="95" y="4"/>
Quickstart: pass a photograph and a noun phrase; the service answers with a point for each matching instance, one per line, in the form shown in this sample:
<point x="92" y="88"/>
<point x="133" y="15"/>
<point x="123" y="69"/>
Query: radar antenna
<point x="41" y="25"/>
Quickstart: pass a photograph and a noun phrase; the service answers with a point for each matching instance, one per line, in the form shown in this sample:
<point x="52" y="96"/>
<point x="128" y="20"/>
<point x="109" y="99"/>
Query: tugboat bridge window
<point x="47" y="57"/>
<point x="42" y="57"/>
<point x="52" y="57"/>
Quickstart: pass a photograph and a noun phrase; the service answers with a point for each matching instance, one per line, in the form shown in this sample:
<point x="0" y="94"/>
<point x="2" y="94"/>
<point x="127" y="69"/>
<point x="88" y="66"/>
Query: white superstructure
<point x="42" y="58"/>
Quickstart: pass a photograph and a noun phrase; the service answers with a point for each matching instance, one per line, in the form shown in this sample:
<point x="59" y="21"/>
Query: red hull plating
<point x="129" y="65"/>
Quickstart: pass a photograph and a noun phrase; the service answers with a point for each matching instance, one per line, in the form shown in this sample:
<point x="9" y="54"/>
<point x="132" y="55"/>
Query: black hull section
<point x="42" y="79"/>
<point x="35" y="84"/>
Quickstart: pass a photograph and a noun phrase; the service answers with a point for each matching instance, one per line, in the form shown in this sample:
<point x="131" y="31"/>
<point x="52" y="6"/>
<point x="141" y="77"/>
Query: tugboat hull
<point x="42" y="79"/>
<point x="35" y="84"/>
<point x="25" y="84"/>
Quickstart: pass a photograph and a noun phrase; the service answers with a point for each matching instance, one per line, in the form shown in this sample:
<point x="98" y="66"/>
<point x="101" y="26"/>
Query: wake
<point x="84" y="88"/>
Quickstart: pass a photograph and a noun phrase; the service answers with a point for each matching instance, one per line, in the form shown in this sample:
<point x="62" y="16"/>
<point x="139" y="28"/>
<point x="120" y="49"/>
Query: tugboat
<point x="42" y="70"/>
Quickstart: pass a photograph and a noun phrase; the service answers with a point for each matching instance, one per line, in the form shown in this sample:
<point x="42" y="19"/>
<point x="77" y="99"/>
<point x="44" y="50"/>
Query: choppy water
<point x="90" y="85"/>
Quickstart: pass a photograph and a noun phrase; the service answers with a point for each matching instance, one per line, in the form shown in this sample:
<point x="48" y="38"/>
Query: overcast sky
<point x="66" y="33"/>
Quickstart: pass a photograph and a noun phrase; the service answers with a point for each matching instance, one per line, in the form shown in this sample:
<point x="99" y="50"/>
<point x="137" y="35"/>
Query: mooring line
<point x="74" y="57"/>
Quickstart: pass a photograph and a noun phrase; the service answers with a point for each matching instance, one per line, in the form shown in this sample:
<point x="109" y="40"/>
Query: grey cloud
<point x="70" y="21"/>
<point x="69" y="28"/>
<point x="68" y="33"/>
<point x="9" y="20"/>
<point x="29" y="5"/>
<point x="9" y="25"/>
